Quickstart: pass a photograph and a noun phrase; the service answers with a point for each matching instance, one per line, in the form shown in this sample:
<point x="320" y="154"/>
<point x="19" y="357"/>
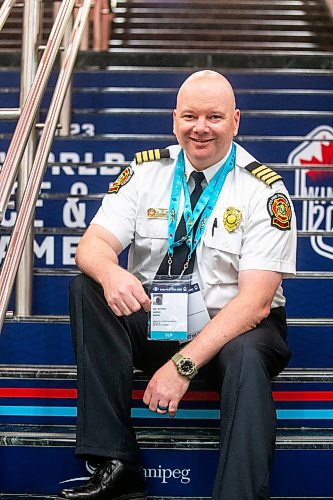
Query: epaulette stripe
<point x="270" y="181"/>
<point x="145" y="155"/>
<point x="257" y="170"/>
<point x="151" y="155"/>
<point x="268" y="175"/>
<point x="263" y="173"/>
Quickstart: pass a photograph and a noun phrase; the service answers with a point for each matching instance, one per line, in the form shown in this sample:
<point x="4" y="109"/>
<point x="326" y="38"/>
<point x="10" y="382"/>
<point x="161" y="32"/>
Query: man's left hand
<point x="165" y="389"/>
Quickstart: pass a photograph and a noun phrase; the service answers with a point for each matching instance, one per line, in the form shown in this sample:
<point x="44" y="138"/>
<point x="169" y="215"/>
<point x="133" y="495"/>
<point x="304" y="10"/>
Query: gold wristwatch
<point x="185" y="366"/>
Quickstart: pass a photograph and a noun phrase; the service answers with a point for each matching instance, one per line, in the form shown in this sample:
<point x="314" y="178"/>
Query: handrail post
<point x="32" y="27"/>
<point x="65" y="117"/>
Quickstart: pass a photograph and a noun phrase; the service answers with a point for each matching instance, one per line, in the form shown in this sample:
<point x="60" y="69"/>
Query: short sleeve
<point x="117" y="213"/>
<point x="270" y="232"/>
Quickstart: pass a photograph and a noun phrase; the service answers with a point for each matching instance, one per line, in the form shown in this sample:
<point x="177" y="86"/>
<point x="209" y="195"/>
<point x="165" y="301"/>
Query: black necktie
<point x="180" y="253"/>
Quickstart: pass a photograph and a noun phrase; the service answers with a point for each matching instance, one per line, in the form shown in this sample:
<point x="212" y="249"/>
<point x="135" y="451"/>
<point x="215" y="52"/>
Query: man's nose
<point x="201" y="125"/>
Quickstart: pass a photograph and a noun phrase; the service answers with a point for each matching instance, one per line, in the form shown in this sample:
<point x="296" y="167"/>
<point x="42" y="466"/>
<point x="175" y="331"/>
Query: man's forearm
<point x="95" y="258"/>
<point x="237" y="317"/>
<point x="243" y="313"/>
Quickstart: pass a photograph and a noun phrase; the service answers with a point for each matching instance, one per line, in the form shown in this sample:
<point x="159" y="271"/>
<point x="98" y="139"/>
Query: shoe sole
<point x="132" y="496"/>
<point x="135" y="496"/>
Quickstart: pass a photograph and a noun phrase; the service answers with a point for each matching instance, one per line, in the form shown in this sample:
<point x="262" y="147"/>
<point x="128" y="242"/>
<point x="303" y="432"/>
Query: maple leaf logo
<point x="327" y="159"/>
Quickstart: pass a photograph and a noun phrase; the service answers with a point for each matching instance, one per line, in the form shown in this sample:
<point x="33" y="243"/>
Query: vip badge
<point x="232" y="218"/>
<point x="279" y="209"/>
<point x="121" y="180"/>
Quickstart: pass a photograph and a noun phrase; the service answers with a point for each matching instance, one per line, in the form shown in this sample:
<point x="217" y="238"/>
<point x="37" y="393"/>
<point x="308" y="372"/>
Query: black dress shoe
<point x="112" y="480"/>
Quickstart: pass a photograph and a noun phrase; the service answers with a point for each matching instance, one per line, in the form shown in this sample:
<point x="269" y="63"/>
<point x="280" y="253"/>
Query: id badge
<point x="168" y="318"/>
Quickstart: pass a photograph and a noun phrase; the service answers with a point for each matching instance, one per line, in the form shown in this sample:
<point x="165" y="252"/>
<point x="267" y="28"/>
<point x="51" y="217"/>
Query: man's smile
<point x="200" y="140"/>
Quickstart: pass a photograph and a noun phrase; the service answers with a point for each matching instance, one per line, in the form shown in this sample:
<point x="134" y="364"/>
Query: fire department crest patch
<point x="121" y="180"/>
<point x="279" y="210"/>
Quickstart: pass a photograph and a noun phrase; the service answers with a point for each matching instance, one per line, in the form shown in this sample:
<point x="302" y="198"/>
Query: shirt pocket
<point x="221" y="254"/>
<point x="151" y="241"/>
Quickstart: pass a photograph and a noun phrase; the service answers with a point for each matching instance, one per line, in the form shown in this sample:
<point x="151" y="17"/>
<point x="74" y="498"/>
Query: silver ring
<point x="163" y="408"/>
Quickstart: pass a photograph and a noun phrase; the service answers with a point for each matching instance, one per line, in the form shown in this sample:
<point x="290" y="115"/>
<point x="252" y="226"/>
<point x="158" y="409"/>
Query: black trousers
<point x="108" y="347"/>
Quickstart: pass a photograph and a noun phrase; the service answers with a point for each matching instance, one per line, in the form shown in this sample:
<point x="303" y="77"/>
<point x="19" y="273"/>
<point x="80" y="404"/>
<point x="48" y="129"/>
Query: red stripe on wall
<point x="37" y="392"/>
<point x="48" y="393"/>
<point x="303" y="395"/>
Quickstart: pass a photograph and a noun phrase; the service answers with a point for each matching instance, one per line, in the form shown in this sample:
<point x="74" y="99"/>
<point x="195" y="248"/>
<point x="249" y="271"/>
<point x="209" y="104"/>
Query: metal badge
<point x="157" y="213"/>
<point x="232" y="218"/>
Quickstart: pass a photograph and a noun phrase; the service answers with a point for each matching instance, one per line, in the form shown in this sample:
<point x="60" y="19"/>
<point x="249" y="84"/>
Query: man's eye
<point x="215" y="117"/>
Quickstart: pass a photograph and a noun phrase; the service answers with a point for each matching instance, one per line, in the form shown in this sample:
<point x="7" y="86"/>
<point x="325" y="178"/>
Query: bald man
<point x="205" y="211"/>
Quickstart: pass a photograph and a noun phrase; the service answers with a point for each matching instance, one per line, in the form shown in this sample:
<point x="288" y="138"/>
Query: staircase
<point x="122" y="103"/>
<point x="216" y="25"/>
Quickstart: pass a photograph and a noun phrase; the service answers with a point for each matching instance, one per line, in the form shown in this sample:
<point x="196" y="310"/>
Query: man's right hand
<point x="97" y="256"/>
<point x="124" y="292"/>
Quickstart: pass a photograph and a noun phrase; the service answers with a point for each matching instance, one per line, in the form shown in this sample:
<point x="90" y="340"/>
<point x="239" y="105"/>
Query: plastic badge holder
<point x="168" y="317"/>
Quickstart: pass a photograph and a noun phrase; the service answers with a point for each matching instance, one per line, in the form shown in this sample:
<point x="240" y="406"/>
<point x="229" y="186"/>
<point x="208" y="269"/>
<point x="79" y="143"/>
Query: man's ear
<point x="236" y="121"/>
<point x="174" y="114"/>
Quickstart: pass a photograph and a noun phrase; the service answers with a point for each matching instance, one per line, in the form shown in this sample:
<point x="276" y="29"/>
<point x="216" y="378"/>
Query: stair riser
<point x="166" y="100"/>
<point x="52" y="401"/>
<point x="274" y="151"/>
<point x="168" y="78"/>
<point x="51" y="297"/>
<point x="162" y="123"/>
<point x="181" y="473"/>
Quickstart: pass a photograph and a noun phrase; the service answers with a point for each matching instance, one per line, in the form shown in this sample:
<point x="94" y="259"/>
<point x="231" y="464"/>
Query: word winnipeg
<point x="165" y="474"/>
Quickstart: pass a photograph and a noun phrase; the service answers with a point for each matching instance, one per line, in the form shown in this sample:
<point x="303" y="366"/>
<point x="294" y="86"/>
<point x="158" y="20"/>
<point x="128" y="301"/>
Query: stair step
<point x="44" y="394"/>
<point x="220" y="45"/>
<point x="170" y="78"/>
<point x="205" y="35"/>
<point x="228" y="13"/>
<point x="252" y="4"/>
<point x="218" y="23"/>
<point x="175" y="462"/>
<point x="159" y="437"/>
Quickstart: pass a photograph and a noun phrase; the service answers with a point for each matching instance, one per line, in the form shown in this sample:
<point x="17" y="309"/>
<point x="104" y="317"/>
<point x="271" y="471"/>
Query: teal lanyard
<point x="203" y="208"/>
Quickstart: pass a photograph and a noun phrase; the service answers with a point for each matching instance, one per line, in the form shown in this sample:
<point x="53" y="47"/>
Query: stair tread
<point x="13" y="434"/>
<point x="69" y="371"/>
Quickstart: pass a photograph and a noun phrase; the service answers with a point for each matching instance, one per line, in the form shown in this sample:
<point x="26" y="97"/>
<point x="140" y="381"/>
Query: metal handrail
<point x="31" y="106"/>
<point x="26" y="211"/>
<point x="5" y="11"/>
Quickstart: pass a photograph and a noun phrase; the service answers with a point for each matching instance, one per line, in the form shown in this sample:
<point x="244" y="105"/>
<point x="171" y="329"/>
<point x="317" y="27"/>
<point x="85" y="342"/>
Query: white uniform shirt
<point x="254" y="244"/>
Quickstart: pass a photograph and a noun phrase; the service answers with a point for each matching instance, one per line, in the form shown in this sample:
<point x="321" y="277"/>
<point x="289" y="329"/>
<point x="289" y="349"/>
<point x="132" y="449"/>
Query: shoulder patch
<point x="263" y="173"/>
<point x="279" y="209"/>
<point x="151" y="155"/>
<point x="121" y="180"/>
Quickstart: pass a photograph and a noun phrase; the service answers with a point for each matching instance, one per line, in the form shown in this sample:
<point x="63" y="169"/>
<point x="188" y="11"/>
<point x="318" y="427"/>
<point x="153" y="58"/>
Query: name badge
<point x="157" y="213"/>
<point x="169" y="310"/>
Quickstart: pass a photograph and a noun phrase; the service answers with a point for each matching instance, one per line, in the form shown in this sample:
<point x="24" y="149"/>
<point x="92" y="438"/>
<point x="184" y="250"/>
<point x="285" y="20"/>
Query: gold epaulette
<point x="151" y="155"/>
<point x="263" y="173"/>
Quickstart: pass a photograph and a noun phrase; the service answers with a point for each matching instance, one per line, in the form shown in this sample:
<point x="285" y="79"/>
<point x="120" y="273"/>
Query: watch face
<point x="186" y="366"/>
